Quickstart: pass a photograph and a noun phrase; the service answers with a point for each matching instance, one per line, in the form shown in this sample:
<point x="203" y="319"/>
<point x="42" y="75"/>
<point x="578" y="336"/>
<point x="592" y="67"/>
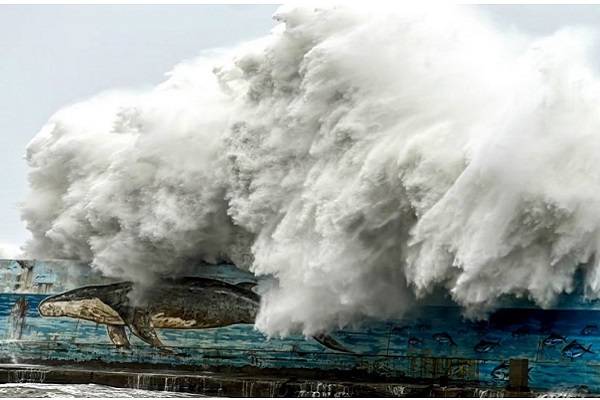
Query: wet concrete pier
<point x="239" y="384"/>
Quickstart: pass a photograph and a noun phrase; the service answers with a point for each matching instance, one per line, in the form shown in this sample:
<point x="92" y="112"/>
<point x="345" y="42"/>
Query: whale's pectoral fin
<point x="118" y="336"/>
<point x="331" y="343"/>
<point x="141" y="326"/>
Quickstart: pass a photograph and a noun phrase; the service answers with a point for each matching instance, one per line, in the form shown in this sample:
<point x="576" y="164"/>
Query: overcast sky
<point x="51" y="56"/>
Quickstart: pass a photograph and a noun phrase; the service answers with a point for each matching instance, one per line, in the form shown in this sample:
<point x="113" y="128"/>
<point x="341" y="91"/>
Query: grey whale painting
<point x="186" y="303"/>
<point x="62" y="311"/>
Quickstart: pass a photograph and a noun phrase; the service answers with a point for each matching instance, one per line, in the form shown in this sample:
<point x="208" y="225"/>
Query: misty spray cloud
<point x="360" y="158"/>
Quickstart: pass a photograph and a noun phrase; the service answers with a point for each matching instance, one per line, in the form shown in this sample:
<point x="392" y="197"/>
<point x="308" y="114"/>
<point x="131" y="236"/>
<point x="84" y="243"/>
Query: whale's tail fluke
<point x="331" y="343"/>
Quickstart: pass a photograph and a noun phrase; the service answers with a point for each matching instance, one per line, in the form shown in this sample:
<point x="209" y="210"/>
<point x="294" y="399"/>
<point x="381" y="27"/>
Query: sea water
<point x="89" y="390"/>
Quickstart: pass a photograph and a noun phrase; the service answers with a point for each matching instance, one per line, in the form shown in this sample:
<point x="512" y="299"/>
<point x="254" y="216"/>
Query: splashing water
<point x="360" y="157"/>
<point x="75" y="391"/>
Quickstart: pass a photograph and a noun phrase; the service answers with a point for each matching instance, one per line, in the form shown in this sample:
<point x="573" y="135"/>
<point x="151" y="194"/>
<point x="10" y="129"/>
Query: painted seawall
<point x="434" y="343"/>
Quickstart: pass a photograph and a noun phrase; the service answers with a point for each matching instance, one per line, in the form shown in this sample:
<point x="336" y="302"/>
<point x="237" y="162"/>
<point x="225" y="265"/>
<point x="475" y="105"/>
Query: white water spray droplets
<point x="360" y="158"/>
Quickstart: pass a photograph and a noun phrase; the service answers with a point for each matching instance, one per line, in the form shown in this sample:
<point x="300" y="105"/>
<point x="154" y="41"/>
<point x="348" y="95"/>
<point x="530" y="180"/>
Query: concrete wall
<point x="434" y="342"/>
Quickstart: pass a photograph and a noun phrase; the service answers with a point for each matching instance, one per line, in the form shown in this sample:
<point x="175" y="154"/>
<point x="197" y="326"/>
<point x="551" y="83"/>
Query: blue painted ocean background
<point x="382" y="348"/>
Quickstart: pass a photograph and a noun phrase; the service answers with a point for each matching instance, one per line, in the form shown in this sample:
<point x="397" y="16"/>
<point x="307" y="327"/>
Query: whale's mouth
<point x="92" y="309"/>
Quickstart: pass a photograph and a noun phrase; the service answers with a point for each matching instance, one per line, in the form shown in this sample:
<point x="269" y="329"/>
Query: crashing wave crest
<point x="362" y="158"/>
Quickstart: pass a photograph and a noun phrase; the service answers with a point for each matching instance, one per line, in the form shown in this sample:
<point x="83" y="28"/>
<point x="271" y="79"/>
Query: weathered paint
<point x="434" y="341"/>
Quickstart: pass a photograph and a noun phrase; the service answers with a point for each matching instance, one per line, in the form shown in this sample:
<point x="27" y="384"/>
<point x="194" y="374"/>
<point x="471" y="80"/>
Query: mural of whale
<point x="186" y="303"/>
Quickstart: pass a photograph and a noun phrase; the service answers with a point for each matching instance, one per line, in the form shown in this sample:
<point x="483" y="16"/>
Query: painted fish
<point x="554" y="339"/>
<point x="575" y="350"/>
<point x="589" y="330"/>
<point x="485" y="346"/>
<point x="444" y="338"/>
<point x="414" y="341"/>
<point x="501" y="371"/>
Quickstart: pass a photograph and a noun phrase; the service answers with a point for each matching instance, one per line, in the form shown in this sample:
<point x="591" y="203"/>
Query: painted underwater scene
<point x="435" y="341"/>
